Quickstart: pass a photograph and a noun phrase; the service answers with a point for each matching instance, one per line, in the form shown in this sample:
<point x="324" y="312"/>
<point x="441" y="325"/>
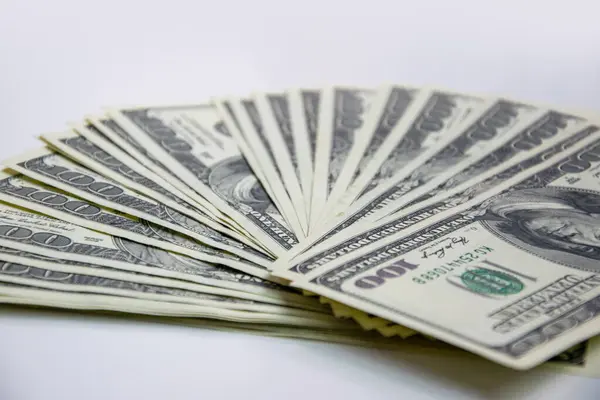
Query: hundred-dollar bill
<point x="49" y="237"/>
<point x="344" y="111"/>
<point x="85" y="152"/>
<point x="109" y="129"/>
<point x="256" y="143"/>
<point x="484" y="131"/>
<point x="436" y="115"/>
<point x="542" y="143"/>
<point x="393" y="106"/>
<point x="21" y="191"/>
<point x="215" y="170"/>
<point x="26" y="294"/>
<point x="85" y="281"/>
<point x="514" y="278"/>
<point x="274" y="111"/>
<point x="549" y="133"/>
<point x="305" y="105"/>
<point x="51" y="168"/>
<point x="119" y="143"/>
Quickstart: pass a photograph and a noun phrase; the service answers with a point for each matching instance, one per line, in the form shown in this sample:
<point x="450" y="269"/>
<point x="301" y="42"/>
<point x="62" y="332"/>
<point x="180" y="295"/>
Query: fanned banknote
<point x="393" y="106"/>
<point x="523" y="263"/>
<point x="19" y="269"/>
<point x="421" y="219"/>
<point x="108" y="128"/>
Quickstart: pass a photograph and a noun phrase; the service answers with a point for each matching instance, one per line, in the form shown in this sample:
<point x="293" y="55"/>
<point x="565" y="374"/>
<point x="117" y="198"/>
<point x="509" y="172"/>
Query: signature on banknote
<point x="439" y="249"/>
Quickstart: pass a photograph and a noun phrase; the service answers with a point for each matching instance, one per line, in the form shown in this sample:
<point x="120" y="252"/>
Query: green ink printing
<point x="486" y="281"/>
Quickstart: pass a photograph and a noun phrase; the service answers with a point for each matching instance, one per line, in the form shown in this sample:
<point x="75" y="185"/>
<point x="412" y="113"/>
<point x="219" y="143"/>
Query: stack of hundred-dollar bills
<point x="343" y="213"/>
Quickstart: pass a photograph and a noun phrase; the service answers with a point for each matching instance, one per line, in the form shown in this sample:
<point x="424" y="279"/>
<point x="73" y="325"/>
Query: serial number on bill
<point x="461" y="261"/>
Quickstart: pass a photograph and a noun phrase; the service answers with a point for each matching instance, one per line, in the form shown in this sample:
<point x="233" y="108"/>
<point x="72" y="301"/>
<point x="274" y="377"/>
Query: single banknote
<point x="514" y="278"/>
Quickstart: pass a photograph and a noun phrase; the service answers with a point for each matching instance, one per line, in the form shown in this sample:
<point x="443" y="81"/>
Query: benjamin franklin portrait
<point x="558" y="224"/>
<point x="234" y="182"/>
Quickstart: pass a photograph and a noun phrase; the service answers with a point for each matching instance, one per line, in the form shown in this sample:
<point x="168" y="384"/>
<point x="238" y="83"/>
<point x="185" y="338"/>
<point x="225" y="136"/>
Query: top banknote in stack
<point x="470" y="219"/>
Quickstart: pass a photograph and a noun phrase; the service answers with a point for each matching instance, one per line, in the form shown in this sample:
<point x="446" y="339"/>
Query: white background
<point x="62" y="59"/>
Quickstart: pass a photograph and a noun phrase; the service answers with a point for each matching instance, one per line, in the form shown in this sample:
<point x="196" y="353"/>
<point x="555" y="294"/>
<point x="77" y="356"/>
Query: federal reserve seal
<point x="490" y="282"/>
